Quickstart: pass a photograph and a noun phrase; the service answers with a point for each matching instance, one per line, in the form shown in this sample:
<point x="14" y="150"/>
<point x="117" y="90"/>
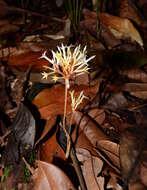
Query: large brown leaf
<point x="134" y="74"/>
<point x="50" y="102"/>
<point x="51" y="149"/>
<point x="50" y="177"/>
<point x="120" y="27"/>
<point x="93" y="132"/>
<point x="91" y="167"/>
<point x="130" y="11"/>
<point x="111" y="149"/>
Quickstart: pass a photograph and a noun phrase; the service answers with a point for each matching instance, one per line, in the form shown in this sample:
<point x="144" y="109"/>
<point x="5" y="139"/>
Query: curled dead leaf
<point x="111" y="149"/>
<point x="51" y="149"/>
<point x="91" y="167"/>
<point x="92" y="131"/>
<point x="50" y="177"/>
<point x="135" y="74"/>
<point x="120" y="27"/>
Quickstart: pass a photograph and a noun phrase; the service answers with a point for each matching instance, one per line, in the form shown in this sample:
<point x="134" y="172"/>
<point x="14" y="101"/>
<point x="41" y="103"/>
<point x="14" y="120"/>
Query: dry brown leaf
<point x="50" y="177"/>
<point x="51" y="149"/>
<point x="3" y="8"/>
<point x="9" y="28"/>
<point x="24" y="55"/>
<point x="141" y="95"/>
<point x="111" y="149"/>
<point x="135" y="74"/>
<point x="90" y="26"/>
<point x="133" y="87"/>
<point x="143" y="173"/>
<point x="23" y="60"/>
<point x="97" y="114"/>
<point x="113" y="182"/>
<point x="4" y="22"/>
<point x="137" y="186"/>
<point x="130" y="11"/>
<point x="48" y="126"/>
<point x="50" y="102"/>
<point x="120" y="27"/>
<point x="83" y="142"/>
<point x="93" y="133"/>
<point x="131" y="149"/>
<point x="91" y="167"/>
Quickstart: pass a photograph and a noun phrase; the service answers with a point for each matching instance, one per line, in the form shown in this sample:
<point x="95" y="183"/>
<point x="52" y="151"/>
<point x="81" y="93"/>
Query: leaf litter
<point x="106" y="132"/>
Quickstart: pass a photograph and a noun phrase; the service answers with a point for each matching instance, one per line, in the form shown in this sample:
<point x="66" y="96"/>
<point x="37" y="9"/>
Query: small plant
<point x="66" y="64"/>
<point x="74" y="8"/>
<point x="7" y="171"/>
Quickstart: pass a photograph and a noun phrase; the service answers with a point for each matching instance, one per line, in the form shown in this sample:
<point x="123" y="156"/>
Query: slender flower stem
<point x="64" y="118"/>
<point x="70" y="124"/>
<point x="65" y="103"/>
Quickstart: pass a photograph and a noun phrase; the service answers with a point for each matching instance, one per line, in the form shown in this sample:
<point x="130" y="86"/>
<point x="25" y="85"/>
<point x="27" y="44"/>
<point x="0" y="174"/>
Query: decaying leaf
<point x="120" y="27"/>
<point x="3" y="8"/>
<point x="131" y="149"/>
<point x="137" y="186"/>
<point x="50" y="149"/>
<point x="143" y="173"/>
<point x="48" y="126"/>
<point x="22" y="135"/>
<point x="97" y="114"/>
<point x="51" y="177"/>
<point x="111" y="149"/>
<point x="92" y="131"/>
<point x="113" y="182"/>
<point x="135" y="74"/>
<point x="92" y="166"/>
<point x="9" y="28"/>
<point x="130" y="11"/>
<point x="48" y="107"/>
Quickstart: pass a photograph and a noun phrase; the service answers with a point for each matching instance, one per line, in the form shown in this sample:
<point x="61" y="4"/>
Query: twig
<point x="12" y="8"/>
<point x="78" y="169"/>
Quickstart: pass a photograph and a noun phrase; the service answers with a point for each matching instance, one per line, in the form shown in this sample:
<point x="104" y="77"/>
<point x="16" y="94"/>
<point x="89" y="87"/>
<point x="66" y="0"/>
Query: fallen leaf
<point x="120" y="27"/>
<point x="134" y="87"/>
<point x="143" y="173"/>
<point x="137" y="186"/>
<point x="97" y="114"/>
<point x="51" y="177"/>
<point x="22" y="135"/>
<point x="9" y="28"/>
<point x="50" y="102"/>
<point x="113" y="182"/>
<point x="110" y="149"/>
<point x="93" y="132"/>
<point x="51" y="149"/>
<point x="131" y="149"/>
<point x="134" y="74"/>
<point x="48" y="126"/>
<point x="91" y="167"/>
<point x="130" y="11"/>
<point x="3" y="8"/>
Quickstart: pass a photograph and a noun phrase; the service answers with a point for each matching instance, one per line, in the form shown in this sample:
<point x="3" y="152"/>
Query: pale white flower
<point x="67" y="63"/>
<point x="75" y="102"/>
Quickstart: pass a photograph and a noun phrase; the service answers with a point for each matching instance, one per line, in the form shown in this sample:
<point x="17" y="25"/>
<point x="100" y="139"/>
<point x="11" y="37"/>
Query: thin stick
<point x="12" y="8"/>
<point x="78" y="169"/>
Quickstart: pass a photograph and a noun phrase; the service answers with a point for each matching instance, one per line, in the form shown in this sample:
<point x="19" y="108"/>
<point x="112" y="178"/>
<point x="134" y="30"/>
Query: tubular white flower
<point x="76" y="102"/>
<point x="67" y="63"/>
